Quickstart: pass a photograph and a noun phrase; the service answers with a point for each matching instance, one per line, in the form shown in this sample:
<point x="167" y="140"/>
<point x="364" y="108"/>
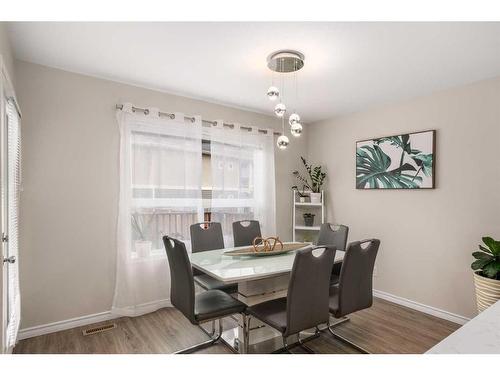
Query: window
<point x="227" y="187"/>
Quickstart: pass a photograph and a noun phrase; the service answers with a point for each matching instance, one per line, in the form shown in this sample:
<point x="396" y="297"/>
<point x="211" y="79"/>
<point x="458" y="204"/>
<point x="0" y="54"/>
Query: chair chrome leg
<point x="339" y="321"/>
<point x="285" y="346"/>
<point x="305" y="347"/>
<point x="204" y="344"/>
<point x="334" y="324"/>
<point x="211" y="332"/>
<point x="348" y="342"/>
<point x="196" y="347"/>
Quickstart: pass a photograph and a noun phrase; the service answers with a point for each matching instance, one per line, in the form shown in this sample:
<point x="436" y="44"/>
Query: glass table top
<point x="245" y="268"/>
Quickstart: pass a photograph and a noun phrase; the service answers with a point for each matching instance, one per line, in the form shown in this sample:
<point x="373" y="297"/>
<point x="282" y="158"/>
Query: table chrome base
<point x="230" y="338"/>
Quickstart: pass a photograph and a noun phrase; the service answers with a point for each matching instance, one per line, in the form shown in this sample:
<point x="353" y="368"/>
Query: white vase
<point x="143" y="248"/>
<point x="487" y="291"/>
<point x="315" y="197"/>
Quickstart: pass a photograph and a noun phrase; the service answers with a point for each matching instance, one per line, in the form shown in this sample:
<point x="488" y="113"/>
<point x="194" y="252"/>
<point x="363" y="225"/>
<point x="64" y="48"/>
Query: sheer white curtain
<point x="243" y="180"/>
<point x="13" y="190"/>
<point x="160" y="193"/>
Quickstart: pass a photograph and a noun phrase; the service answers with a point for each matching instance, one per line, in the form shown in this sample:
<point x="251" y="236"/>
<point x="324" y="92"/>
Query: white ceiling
<point x="349" y="66"/>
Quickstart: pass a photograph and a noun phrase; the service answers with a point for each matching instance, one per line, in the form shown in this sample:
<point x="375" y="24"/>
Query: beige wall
<point x="6" y="51"/>
<point x="70" y="180"/>
<point x="427" y="236"/>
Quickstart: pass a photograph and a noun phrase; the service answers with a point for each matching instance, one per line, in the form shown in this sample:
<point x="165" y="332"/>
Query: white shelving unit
<point x="299" y="229"/>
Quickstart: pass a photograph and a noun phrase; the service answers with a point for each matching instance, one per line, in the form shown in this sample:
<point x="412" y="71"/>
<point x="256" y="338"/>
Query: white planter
<point x="487" y="291"/>
<point x="315" y="197"/>
<point x="143" y="248"/>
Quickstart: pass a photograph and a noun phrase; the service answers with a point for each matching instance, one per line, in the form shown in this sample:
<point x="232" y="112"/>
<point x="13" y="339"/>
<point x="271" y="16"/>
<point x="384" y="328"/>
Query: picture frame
<point x="404" y="161"/>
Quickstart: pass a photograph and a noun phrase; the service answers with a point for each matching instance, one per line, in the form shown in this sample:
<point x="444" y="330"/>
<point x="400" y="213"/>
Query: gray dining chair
<point x="245" y="231"/>
<point x="204" y="237"/>
<point x="354" y="291"/>
<point x="199" y="308"/>
<point x="306" y="304"/>
<point x="336" y="235"/>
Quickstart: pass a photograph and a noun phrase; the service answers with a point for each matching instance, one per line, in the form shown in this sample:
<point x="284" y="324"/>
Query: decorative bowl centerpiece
<point x="266" y="247"/>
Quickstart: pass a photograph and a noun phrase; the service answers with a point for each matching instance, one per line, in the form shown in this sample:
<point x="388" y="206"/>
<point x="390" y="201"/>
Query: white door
<point x="10" y="188"/>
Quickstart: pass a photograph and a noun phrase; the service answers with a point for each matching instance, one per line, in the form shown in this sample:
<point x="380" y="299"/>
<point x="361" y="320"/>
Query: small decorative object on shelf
<point x="314" y="182"/>
<point x="315" y="197"/>
<point x="302" y="194"/>
<point x="308" y="219"/>
<point x="487" y="273"/>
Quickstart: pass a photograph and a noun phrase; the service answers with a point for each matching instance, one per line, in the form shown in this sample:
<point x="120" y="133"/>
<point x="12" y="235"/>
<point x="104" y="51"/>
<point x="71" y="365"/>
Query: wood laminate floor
<point x="384" y="328"/>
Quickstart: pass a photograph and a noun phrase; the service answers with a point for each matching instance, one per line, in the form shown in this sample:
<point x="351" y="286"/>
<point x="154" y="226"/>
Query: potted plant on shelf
<point x="487" y="273"/>
<point x="142" y="245"/>
<point x="314" y="182"/>
<point x="308" y="219"/>
<point x="302" y="194"/>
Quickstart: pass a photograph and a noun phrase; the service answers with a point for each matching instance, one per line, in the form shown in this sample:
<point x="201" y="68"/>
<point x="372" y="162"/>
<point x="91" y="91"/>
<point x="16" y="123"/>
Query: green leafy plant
<point x="316" y="176"/>
<point x="302" y="193"/>
<point x="308" y="219"/>
<point x="487" y="261"/>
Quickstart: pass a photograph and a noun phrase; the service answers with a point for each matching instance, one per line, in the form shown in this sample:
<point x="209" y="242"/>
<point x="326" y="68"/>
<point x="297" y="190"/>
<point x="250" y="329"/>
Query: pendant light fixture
<point x="283" y="140"/>
<point x="296" y="129"/>
<point x="280" y="110"/>
<point x="293" y="119"/>
<point x="283" y="62"/>
<point x="273" y="93"/>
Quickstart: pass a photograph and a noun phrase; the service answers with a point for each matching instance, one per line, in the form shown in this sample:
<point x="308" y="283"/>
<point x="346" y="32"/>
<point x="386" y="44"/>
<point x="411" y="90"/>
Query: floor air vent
<point x="92" y="331"/>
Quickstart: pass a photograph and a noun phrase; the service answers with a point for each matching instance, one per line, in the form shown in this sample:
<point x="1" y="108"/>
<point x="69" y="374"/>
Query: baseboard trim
<point x="80" y="321"/>
<point x="62" y="325"/>
<point x="455" y="318"/>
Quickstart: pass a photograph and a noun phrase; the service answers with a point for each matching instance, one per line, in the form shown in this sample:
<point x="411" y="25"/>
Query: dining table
<point x="259" y="279"/>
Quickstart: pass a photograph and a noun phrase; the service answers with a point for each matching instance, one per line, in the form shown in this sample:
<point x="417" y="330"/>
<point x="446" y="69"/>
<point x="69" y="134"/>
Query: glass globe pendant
<point x="273" y="93"/>
<point x="296" y="129"/>
<point x="280" y="109"/>
<point x="282" y="142"/>
<point x="293" y="119"/>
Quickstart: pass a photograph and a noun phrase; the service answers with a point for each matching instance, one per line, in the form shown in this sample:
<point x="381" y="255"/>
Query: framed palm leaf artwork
<point x="397" y="162"/>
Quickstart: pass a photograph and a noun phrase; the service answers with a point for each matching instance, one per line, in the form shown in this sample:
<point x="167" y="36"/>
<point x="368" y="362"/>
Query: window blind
<point x="13" y="195"/>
